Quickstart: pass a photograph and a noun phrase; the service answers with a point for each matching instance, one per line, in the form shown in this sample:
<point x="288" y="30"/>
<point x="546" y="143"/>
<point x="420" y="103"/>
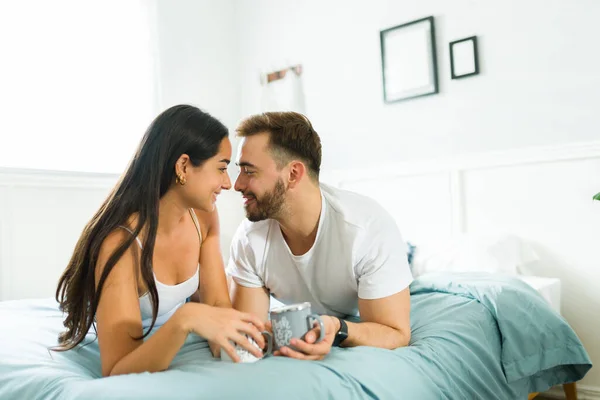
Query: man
<point x="306" y="241"/>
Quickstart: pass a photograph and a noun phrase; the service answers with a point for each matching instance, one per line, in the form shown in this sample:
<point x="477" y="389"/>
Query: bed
<point x="474" y="336"/>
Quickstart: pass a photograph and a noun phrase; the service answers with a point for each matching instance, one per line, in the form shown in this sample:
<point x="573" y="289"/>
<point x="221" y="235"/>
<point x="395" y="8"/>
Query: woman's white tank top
<point x="170" y="297"/>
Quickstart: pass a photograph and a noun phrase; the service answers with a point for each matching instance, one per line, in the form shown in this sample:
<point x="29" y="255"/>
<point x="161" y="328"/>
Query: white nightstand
<point x="549" y="288"/>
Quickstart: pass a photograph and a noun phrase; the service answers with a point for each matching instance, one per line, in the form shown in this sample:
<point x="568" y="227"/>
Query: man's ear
<point x="181" y="165"/>
<point x="297" y="173"/>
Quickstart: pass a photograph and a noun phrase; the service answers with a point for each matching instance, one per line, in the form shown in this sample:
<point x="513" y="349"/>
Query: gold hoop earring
<point x="180" y="179"/>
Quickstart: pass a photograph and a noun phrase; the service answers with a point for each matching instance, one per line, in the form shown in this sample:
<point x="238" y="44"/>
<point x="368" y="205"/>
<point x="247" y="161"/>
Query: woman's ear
<point x="297" y="172"/>
<point x="181" y="165"/>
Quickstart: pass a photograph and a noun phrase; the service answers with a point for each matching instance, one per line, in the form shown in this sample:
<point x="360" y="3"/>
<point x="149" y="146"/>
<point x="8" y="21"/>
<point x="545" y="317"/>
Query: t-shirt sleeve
<point x="242" y="264"/>
<point x="382" y="267"/>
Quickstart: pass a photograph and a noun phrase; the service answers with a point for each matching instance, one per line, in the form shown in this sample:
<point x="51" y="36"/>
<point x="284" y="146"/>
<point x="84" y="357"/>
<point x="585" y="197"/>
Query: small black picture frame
<point x="409" y="60"/>
<point x="464" y="58"/>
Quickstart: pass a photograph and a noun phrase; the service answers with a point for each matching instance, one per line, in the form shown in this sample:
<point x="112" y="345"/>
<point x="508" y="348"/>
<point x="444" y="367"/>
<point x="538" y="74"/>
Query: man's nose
<point x="238" y="184"/>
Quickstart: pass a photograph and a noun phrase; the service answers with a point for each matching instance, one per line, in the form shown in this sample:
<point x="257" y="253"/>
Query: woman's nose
<point x="227" y="184"/>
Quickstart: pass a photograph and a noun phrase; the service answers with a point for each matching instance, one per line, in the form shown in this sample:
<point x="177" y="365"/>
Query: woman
<point x="153" y="244"/>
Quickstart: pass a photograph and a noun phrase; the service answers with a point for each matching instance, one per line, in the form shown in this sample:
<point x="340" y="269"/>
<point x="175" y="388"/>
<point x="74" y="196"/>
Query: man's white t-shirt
<point x="358" y="253"/>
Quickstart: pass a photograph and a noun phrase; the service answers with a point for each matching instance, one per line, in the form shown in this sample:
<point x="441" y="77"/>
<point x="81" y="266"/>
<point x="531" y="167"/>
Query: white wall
<point x="197" y="48"/>
<point x="198" y="64"/>
<point x="76" y="83"/>
<point x="539" y="83"/>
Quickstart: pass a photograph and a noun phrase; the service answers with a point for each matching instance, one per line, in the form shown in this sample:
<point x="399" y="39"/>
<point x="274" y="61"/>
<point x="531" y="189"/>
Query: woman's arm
<point x="118" y="319"/>
<point x="212" y="289"/>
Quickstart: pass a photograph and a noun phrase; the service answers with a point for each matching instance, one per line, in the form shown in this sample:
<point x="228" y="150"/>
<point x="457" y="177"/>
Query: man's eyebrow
<point x="245" y="164"/>
<point x="225" y="160"/>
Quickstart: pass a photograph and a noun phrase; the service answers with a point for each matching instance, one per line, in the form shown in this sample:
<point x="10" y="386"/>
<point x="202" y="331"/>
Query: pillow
<point x="504" y="254"/>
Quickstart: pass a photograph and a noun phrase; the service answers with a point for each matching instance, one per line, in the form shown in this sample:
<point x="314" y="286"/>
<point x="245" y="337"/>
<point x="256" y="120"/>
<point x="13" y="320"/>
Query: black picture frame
<point x="391" y="67"/>
<point x="458" y="72"/>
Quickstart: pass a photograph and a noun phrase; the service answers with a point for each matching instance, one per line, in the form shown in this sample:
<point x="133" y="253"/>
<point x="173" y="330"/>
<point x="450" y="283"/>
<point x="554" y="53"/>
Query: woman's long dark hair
<point x="181" y="129"/>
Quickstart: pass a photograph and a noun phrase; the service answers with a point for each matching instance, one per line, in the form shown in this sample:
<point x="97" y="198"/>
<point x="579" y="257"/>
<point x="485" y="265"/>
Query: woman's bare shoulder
<point x="125" y="266"/>
<point x="209" y="221"/>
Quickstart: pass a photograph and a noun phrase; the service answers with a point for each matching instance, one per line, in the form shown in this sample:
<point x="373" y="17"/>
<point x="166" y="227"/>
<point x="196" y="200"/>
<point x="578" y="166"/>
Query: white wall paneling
<point x="542" y="195"/>
<point x="41" y="216"/>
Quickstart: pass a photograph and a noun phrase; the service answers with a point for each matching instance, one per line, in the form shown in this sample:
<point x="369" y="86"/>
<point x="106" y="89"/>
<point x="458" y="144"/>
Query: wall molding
<point x="453" y="170"/>
<point x="56" y="179"/>
<point x="468" y="162"/>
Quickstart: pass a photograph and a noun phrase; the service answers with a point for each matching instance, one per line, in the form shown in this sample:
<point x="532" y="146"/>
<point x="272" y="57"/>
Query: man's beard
<point x="269" y="205"/>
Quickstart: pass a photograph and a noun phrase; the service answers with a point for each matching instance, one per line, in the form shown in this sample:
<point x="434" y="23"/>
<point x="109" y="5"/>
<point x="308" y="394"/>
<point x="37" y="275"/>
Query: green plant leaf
<point x="597" y="197"/>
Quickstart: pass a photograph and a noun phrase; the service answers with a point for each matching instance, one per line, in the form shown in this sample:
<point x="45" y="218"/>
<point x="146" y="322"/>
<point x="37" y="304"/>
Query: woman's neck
<point x="171" y="213"/>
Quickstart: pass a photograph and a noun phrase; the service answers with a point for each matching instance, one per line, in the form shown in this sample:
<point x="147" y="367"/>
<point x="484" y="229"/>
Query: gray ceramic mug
<point x="293" y="321"/>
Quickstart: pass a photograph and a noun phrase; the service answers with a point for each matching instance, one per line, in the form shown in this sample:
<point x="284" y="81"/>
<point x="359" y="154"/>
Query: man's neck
<point x="301" y="220"/>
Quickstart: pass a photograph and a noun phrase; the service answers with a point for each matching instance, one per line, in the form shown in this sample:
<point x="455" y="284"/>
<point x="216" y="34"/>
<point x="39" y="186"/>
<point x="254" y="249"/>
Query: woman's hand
<point x="222" y="325"/>
<point x="215" y="349"/>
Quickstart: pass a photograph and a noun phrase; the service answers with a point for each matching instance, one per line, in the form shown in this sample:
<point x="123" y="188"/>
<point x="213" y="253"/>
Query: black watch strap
<point x="342" y="333"/>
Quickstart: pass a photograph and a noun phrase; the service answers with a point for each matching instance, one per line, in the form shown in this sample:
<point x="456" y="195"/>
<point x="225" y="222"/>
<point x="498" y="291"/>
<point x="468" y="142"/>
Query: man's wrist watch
<point x="342" y="333"/>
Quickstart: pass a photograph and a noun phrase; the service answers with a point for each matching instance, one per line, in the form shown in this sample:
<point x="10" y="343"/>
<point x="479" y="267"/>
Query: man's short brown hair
<point x="291" y="136"/>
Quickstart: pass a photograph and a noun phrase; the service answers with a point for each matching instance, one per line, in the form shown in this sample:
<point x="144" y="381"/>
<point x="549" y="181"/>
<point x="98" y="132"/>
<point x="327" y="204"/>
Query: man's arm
<point x="251" y="300"/>
<point x="386" y="322"/>
<point x="383" y="296"/>
<point x="384" y="277"/>
<point x="247" y="289"/>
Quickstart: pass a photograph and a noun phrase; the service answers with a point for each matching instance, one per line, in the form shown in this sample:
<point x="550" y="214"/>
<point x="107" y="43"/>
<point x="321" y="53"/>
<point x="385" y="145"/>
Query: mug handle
<point x="269" y="343"/>
<point x="317" y="318"/>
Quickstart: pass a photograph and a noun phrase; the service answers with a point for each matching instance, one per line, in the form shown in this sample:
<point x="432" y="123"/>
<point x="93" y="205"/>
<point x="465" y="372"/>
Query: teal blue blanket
<point x="473" y="336"/>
